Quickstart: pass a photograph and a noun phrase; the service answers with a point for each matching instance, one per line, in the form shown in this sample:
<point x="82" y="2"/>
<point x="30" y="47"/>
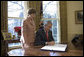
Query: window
<point x="15" y="15"/>
<point x="51" y="12"/>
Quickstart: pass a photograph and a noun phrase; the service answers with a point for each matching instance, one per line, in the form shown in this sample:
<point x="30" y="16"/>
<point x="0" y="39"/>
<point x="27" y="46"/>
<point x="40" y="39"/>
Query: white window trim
<point x="16" y="17"/>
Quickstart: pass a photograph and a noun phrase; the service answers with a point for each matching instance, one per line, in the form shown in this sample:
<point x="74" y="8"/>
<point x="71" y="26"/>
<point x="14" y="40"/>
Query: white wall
<point x="73" y="28"/>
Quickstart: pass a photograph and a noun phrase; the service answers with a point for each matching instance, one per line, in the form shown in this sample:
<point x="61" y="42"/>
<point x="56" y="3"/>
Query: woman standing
<point x="28" y="32"/>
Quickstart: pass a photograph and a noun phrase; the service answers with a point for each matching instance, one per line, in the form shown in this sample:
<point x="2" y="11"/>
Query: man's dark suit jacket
<point x="41" y="38"/>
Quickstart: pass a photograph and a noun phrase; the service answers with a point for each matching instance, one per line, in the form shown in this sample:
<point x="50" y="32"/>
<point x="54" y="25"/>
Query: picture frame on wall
<point x="79" y="17"/>
<point x="6" y="35"/>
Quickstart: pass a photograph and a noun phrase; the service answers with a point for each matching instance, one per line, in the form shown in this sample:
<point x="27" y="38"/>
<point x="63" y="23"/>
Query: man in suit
<point x="44" y="36"/>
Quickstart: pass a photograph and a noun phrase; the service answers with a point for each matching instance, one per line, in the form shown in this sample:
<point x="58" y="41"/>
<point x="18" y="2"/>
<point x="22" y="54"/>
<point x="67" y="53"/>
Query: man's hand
<point x="51" y="43"/>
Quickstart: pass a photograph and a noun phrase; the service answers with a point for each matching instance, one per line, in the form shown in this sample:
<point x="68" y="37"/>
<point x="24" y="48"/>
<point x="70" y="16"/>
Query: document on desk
<point x="56" y="47"/>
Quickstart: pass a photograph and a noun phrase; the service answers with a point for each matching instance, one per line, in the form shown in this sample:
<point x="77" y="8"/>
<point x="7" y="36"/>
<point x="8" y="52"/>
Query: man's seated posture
<point x="44" y="36"/>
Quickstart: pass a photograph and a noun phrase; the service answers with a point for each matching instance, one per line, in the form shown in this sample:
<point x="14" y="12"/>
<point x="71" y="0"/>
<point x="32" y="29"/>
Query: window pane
<point x="46" y="2"/>
<point x="50" y="9"/>
<point x="13" y="23"/>
<point x="54" y="29"/>
<point x="15" y="8"/>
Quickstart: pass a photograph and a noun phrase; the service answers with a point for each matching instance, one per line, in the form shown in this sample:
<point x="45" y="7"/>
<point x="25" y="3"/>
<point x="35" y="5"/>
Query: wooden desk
<point x="37" y="52"/>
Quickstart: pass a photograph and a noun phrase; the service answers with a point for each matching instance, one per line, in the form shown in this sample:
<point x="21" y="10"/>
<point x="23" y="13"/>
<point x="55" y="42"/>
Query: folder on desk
<point x="56" y="47"/>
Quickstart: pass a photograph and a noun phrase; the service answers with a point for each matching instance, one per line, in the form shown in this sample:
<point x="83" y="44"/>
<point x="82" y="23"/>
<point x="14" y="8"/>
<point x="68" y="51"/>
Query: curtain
<point x="63" y="21"/>
<point x="36" y="5"/>
<point x="4" y="19"/>
<point x="4" y="27"/>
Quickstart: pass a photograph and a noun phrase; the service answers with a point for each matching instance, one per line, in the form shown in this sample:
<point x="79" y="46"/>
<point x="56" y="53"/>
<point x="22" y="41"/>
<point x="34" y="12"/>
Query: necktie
<point x="47" y="35"/>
